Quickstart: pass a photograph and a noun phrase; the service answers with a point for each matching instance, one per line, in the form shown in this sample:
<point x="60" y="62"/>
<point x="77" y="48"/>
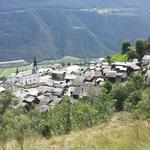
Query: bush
<point x="126" y="46"/>
<point x="132" y="100"/>
<point x="132" y="55"/>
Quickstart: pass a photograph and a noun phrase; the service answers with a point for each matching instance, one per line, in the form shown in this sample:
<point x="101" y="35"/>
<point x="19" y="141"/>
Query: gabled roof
<point x="33" y="91"/>
<point x="78" y="81"/>
<point x="147" y="73"/>
<point x="2" y="89"/>
<point x="100" y="80"/>
<point x="70" y="76"/>
<point x="106" y="70"/>
<point x="112" y="74"/>
<point x="29" y="98"/>
<point x="58" y="72"/>
<point x="135" y="67"/>
<point x="122" y="75"/>
<point x="146" y="57"/>
<point x="98" y="74"/>
<point x="106" y="67"/>
<point x="89" y="78"/>
<point x="44" y="99"/>
<point x="77" y="91"/>
<point x="42" y="70"/>
<point x="73" y="68"/>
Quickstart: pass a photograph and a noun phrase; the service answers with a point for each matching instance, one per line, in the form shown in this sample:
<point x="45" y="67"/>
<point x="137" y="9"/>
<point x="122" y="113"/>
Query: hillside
<point x="53" y="29"/>
<point x="121" y="134"/>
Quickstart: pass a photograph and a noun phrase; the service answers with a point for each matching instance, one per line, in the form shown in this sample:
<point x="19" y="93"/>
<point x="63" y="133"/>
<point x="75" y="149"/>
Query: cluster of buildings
<point x="46" y="87"/>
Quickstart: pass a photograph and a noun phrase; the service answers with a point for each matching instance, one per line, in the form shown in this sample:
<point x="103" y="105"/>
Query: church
<point x="25" y="78"/>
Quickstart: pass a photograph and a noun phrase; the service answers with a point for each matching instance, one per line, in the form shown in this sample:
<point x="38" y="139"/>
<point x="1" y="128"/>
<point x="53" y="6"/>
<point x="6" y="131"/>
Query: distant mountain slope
<point x="82" y="28"/>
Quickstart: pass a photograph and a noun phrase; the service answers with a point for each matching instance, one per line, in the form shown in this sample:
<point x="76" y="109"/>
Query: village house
<point x="56" y="66"/>
<point x="105" y="65"/>
<point x="100" y="60"/>
<point x="77" y="93"/>
<point x="44" y="99"/>
<point x="59" y="92"/>
<point x="58" y="75"/>
<point x="135" y="61"/>
<point x="97" y="74"/>
<point x="70" y="91"/>
<point x="2" y="89"/>
<point x="114" y="76"/>
<point x="121" y="77"/>
<point x="59" y="84"/>
<point x="133" y="69"/>
<point x="45" y="80"/>
<point x="111" y="76"/>
<point x="126" y="67"/>
<point x="123" y="64"/>
<point x="92" y="67"/>
<point x="32" y="91"/>
<point x="92" y="62"/>
<point x="79" y="81"/>
<point x="70" y="77"/>
<point x="44" y="71"/>
<point x="74" y="69"/>
<point x="30" y="99"/>
<point x="100" y="81"/>
<point x="121" y="69"/>
<point x="105" y="71"/>
<point x="77" y="89"/>
<point x="71" y="73"/>
<point x="147" y="78"/>
<point x="89" y="79"/>
<point x="55" y="101"/>
<point x="146" y="60"/>
<point x="1" y="82"/>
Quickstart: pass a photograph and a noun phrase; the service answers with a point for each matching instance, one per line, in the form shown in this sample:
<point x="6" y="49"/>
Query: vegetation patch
<point x="120" y="57"/>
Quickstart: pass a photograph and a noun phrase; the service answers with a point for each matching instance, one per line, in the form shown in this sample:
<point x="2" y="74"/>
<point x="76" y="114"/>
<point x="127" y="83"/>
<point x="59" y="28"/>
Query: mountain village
<point x="46" y="87"/>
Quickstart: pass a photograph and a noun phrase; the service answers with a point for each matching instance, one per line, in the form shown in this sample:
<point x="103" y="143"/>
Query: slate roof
<point x="112" y="74"/>
<point x="77" y="91"/>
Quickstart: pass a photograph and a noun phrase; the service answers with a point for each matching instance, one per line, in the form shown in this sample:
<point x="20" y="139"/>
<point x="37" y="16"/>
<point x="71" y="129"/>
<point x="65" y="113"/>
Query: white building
<point x="24" y="79"/>
<point x="135" y="61"/>
<point x="2" y="89"/>
<point x="146" y="59"/>
<point x="100" y="60"/>
<point x="44" y="71"/>
<point x="147" y="77"/>
<point x="74" y="69"/>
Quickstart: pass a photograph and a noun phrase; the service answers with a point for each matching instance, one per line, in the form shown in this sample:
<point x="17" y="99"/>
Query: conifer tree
<point x="35" y="62"/>
<point x="17" y="70"/>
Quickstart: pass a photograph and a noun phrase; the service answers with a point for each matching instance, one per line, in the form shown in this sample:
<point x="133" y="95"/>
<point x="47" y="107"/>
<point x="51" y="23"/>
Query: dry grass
<point x="121" y="134"/>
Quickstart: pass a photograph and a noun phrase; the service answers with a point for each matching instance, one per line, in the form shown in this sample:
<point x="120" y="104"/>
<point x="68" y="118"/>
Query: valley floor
<point x="120" y="134"/>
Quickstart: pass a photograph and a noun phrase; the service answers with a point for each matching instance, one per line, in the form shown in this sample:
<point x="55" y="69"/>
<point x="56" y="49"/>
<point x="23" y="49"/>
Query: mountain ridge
<point x="52" y="29"/>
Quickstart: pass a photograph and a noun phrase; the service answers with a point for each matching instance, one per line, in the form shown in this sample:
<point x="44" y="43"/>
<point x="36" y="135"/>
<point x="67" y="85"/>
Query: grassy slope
<point x="7" y="72"/>
<point x="121" y="134"/>
<point x="120" y="57"/>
